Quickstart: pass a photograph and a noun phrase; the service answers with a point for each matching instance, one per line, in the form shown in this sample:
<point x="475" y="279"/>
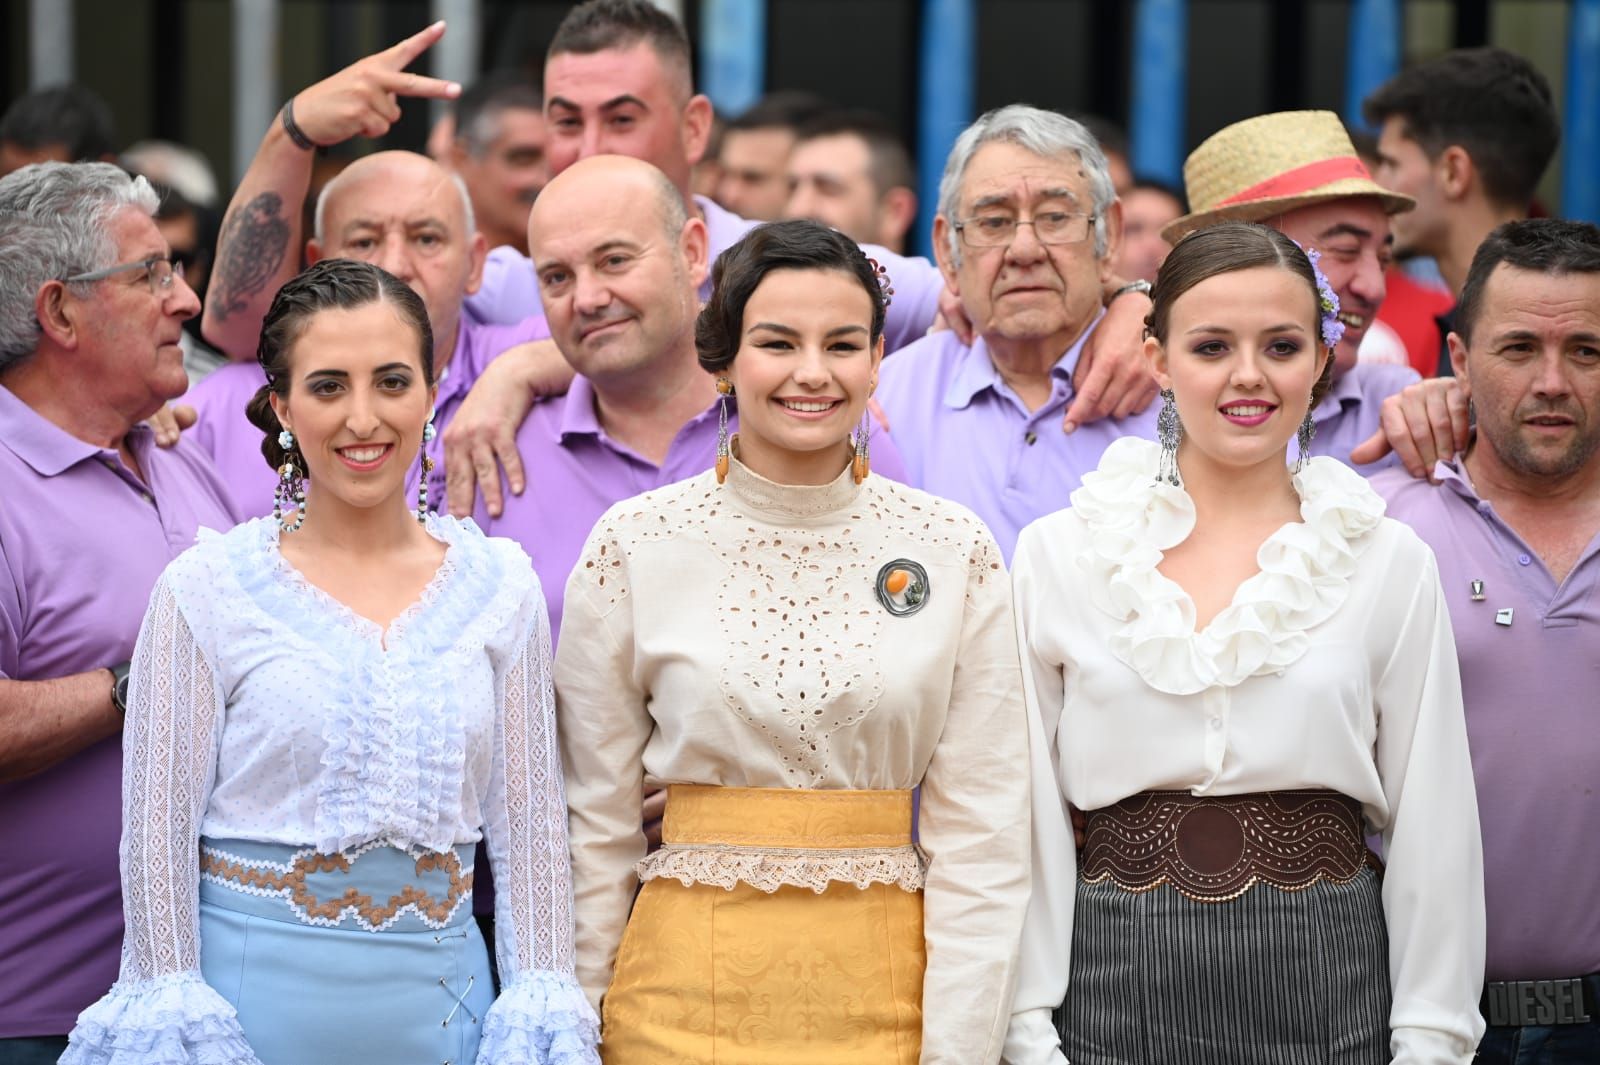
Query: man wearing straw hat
<point x="1298" y="172"/>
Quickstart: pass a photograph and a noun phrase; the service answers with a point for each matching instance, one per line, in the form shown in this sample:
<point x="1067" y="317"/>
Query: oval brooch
<point x="903" y="587"/>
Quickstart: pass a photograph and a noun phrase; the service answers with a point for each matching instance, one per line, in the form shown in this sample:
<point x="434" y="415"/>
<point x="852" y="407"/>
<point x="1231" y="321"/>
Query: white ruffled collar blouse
<point x="1306" y="567"/>
<point x="1333" y="667"/>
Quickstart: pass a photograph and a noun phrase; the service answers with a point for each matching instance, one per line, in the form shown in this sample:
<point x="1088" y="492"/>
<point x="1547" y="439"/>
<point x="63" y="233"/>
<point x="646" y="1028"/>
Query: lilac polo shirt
<point x="82" y="542"/>
<point x="1533" y="722"/>
<point x="510" y="290"/>
<point x="966" y="435"/>
<point x="235" y="444"/>
<point x="1352" y="411"/>
<point x="575" y="472"/>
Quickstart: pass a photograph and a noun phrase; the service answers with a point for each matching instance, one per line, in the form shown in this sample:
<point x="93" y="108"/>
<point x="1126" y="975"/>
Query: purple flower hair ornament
<point x="1327" y="302"/>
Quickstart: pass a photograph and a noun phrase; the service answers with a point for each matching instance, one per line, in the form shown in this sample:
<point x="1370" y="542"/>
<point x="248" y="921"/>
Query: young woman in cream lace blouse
<point x="791" y="645"/>
<point x="1231" y="668"/>
<point x="328" y="711"/>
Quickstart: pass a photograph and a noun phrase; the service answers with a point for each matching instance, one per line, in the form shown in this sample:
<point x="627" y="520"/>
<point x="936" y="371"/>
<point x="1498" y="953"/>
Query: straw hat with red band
<point x="1264" y="166"/>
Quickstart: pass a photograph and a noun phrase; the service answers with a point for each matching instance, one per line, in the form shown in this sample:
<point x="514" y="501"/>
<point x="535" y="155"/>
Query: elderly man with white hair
<point x="1027" y="231"/>
<point x="91" y="308"/>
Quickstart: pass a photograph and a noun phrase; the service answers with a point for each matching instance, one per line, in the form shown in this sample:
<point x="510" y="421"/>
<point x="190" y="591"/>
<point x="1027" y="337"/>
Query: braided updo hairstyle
<point x="794" y="245"/>
<point x="343" y="284"/>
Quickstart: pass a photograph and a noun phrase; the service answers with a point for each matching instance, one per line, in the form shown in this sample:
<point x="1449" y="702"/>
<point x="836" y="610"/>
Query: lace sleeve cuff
<point x="177" y="1019"/>
<point x="541" y="1018"/>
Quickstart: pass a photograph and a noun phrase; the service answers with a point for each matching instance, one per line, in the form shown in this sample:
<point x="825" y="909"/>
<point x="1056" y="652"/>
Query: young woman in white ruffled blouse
<point x="1236" y="671"/>
<point x="328" y="710"/>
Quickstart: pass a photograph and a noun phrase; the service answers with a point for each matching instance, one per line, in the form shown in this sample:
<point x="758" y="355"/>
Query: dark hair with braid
<point x="794" y="245"/>
<point x="332" y="284"/>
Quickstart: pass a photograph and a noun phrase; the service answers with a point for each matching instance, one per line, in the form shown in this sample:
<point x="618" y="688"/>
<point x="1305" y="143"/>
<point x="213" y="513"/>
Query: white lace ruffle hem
<point x="542" y="1018"/>
<point x="177" y="1019"/>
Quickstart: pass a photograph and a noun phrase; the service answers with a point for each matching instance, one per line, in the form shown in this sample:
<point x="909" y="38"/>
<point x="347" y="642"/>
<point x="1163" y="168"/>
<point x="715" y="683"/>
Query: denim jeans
<point x="32" y="1050"/>
<point x="1561" y="1044"/>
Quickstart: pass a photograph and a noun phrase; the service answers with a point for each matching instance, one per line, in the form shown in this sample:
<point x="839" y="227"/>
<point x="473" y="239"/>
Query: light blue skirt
<point x="371" y="957"/>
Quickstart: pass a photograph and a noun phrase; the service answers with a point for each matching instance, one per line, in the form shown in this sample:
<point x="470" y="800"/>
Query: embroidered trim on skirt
<point x="780" y="926"/>
<point x="1268" y="975"/>
<point x="367" y="956"/>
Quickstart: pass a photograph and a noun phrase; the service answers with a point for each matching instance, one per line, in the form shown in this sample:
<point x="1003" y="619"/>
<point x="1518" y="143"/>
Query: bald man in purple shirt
<point x="93" y="511"/>
<point x="1515" y="523"/>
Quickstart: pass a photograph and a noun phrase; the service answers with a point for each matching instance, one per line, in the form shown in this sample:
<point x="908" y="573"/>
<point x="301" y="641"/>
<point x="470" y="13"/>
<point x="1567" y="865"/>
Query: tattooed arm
<point x="259" y="247"/>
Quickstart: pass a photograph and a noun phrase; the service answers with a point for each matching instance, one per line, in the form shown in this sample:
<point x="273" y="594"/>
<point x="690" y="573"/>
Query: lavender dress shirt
<point x="967" y="436"/>
<point x="1352" y="411"/>
<point x="510" y="289"/>
<point x="1533" y="722"/>
<point x="235" y="444"/>
<point x="82" y="542"/>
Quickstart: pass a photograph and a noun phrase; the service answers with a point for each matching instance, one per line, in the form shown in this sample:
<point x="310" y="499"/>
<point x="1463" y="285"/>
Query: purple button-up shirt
<point x="968" y="437"/>
<point x="575" y="472"/>
<point x="510" y="290"/>
<point x="82" y="541"/>
<point x="235" y="444"/>
<point x="1530" y="671"/>
<point x="1352" y="411"/>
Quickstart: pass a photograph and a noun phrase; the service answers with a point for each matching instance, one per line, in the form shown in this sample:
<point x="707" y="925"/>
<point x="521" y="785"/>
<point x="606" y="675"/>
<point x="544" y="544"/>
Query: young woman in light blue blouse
<point x="328" y="709"/>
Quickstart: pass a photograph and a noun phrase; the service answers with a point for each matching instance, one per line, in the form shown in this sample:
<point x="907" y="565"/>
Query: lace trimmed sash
<point x="776" y="837"/>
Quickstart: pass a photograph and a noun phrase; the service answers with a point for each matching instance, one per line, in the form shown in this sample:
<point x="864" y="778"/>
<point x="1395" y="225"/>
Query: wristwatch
<point x="119" y="687"/>
<point x="1132" y="286"/>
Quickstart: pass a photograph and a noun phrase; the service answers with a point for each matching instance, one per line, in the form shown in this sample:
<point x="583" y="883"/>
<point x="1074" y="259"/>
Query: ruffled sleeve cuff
<point x="542" y="1018"/>
<point x="176" y="1019"/>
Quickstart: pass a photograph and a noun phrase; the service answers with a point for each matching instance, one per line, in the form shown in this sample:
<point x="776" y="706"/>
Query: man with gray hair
<point x="91" y="309"/>
<point x="1027" y="229"/>
<point x="399" y="210"/>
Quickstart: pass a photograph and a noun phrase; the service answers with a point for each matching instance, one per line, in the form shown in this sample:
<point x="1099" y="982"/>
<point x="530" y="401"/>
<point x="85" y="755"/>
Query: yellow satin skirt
<point x="738" y="975"/>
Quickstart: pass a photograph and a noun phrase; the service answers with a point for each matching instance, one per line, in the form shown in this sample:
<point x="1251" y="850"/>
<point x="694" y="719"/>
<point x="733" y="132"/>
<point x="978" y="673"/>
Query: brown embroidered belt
<point x="373" y="887"/>
<point x="1215" y="848"/>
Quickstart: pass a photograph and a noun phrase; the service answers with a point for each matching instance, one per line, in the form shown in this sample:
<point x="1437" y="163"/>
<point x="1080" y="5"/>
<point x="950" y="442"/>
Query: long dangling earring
<point x="861" y="464"/>
<point x="290" y="492"/>
<point x="428" y="435"/>
<point x="1308" y="429"/>
<point x="724" y="390"/>
<point x="1169" y="430"/>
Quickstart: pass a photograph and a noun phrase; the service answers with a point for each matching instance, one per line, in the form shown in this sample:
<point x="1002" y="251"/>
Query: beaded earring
<point x="290" y="492"/>
<point x="1308" y="429"/>
<point x="429" y="433"/>
<point x="1169" y="430"/>
<point x="724" y="390"/>
<point x="861" y="464"/>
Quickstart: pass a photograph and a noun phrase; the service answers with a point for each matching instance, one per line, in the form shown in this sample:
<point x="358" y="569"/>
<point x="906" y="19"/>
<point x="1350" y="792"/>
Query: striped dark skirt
<point x="1270" y="978"/>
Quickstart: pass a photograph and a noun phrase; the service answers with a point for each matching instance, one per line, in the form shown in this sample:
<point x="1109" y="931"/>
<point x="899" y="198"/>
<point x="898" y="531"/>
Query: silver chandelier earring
<point x="429" y="433"/>
<point x="1169" y="430"/>
<point x="290" y="492"/>
<point x="1308" y="429"/>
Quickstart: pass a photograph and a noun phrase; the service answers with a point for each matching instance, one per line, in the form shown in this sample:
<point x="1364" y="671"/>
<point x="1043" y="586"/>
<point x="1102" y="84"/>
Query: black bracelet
<point x="295" y="133"/>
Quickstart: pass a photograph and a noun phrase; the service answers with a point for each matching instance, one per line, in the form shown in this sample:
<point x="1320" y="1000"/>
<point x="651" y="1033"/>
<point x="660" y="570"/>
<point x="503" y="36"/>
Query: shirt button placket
<point x="1215" y="701"/>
